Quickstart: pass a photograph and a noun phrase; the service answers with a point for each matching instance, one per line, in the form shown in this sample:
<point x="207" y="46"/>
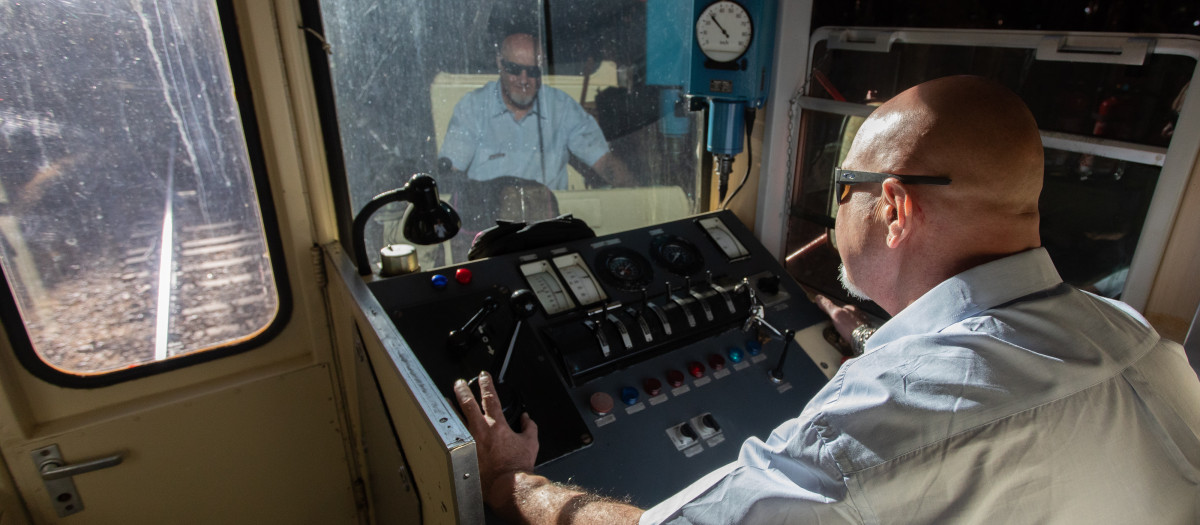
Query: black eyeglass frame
<point x="843" y="179"/>
<point x="516" y="69"/>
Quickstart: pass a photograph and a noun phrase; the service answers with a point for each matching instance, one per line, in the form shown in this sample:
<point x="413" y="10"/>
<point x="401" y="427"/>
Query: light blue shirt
<point x="484" y="140"/>
<point x="1000" y="396"/>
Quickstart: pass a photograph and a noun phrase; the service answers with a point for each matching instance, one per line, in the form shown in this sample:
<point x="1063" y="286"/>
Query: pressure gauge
<point x="579" y="278"/>
<point x="724" y="239"/>
<point x="723" y="31"/>
<point x="546" y="287"/>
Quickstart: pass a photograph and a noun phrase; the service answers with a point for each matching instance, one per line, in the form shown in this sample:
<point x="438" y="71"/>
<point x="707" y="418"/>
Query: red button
<point x="674" y="378"/>
<point x="696" y="369"/>
<point x="716" y="362"/>
<point x="652" y="386"/>
<point x="601" y="403"/>
<point x="463" y="276"/>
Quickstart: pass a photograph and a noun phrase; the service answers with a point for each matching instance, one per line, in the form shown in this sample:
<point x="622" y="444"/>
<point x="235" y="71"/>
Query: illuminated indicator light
<point x="629" y="395"/>
<point x="438" y="281"/>
<point x="716" y="362"/>
<point x="696" y="369"/>
<point x="601" y="403"/>
<point x="652" y="386"/>
<point x="674" y="378"/>
<point x="463" y="276"/>
<point x="736" y="355"/>
<point x="753" y="347"/>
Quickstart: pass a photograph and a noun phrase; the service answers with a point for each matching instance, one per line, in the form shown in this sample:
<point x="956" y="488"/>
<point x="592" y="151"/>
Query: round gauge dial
<point x="624" y="268"/>
<point x="676" y="255"/>
<point x="723" y="31"/>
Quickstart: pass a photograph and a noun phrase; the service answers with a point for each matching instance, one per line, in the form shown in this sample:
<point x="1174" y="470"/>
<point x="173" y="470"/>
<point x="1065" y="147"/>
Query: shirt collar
<point x="500" y="108"/>
<point x="971" y="292"/>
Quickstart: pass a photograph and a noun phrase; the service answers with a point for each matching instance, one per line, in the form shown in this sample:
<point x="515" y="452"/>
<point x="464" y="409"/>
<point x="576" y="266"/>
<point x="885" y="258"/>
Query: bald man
<point x="518" y="127"/>
<point x="996" y="393"/>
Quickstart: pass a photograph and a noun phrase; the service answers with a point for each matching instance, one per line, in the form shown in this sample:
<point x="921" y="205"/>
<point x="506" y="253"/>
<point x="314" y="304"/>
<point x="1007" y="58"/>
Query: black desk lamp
<point x="429" y="222"/>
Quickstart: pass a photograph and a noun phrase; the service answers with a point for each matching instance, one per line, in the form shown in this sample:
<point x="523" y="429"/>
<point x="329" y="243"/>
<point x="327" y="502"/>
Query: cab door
<point x="167" y="357"/>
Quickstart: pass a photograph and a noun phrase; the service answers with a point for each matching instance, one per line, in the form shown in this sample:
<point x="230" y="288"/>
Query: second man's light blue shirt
<point x="484" y="140"/>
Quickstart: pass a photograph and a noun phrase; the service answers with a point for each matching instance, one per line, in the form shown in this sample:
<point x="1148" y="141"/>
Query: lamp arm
<point x="358" y="230"/>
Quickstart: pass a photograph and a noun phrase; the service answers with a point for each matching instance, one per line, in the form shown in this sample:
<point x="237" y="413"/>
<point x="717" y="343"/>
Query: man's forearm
<point x="530" y="498"/>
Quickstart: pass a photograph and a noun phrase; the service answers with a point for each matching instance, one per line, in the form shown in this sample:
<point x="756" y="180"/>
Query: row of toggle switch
<point x="602" y="403"/>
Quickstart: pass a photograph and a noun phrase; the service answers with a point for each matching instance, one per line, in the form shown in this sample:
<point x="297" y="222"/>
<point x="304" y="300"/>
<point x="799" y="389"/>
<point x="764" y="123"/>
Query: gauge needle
<point x="713" y="16"/>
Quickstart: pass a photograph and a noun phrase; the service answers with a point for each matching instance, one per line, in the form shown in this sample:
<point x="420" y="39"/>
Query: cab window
<point x="131" y="235"/>
<point x="521" y="110"/>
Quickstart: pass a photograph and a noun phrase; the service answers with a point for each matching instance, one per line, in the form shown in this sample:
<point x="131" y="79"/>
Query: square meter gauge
<point x="547" y="287"/>
<point x="724" y="239"/>
<point x="579" y="279"/>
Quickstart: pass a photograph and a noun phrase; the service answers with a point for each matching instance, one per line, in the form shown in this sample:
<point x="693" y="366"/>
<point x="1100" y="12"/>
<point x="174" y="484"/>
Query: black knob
<point x="711" y="422"/>
<point x="769" y="284"/>
<point x="524" y="303"/>
<point x="686" y="431"/>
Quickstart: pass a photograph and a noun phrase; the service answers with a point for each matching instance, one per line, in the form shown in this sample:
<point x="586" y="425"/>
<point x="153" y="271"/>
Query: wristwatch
<point x="858" y="338"/>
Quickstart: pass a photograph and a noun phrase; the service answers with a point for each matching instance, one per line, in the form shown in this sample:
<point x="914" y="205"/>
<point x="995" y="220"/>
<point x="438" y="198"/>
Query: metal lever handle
<point x="51" y="469"/>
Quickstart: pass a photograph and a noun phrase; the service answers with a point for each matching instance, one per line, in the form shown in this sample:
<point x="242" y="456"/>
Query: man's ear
<point x="898" y="211"/>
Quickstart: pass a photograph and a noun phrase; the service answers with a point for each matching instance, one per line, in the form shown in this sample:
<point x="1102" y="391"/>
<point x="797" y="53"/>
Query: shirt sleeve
<point x="584" y="140"/>
<point x="462" y="134"/>
<point x="790" y="478"/>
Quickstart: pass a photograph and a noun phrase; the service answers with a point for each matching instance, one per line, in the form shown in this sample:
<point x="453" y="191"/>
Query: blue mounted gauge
<point x="724" y="31"/>
<point x="730" y="68"/>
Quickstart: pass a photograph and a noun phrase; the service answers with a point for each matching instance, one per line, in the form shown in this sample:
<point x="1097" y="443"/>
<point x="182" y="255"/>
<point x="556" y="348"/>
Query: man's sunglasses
<point x="843" y="179"/>
<point x="516" y="69"/>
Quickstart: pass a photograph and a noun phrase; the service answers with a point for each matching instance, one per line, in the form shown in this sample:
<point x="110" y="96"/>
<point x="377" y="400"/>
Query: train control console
<point x="646" y="357"/>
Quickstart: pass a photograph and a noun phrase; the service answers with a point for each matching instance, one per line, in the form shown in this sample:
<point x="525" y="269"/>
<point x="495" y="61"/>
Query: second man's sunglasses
<point x="516" y="69"/>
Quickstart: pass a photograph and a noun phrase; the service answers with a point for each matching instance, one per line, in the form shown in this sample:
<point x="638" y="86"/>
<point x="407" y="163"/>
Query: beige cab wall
<point x="1176" y="292"/>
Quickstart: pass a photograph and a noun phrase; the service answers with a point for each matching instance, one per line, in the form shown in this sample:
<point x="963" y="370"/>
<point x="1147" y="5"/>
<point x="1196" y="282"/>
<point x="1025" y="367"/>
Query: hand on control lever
<point x="845" y="318"/>
<point x="501" y="452"/>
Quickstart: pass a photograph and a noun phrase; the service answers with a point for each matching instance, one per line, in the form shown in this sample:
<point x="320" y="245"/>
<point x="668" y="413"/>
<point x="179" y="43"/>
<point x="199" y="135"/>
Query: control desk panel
<point x="646" y="357"/>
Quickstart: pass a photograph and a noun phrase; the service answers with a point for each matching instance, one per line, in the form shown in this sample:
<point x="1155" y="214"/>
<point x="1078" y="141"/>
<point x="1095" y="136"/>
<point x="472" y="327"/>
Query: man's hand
<point x="506" y="460"/>
<point x="845" y="318"/>
<point x="502" y="453"/>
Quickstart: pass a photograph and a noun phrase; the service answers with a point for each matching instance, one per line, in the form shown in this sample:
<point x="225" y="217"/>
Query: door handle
<point x="55" y="469"/>
<point x="56" y="475"/>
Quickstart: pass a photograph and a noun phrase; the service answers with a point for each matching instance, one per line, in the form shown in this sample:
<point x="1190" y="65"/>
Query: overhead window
<point x="129" y="217"/>
<point x="1110" y="110"/>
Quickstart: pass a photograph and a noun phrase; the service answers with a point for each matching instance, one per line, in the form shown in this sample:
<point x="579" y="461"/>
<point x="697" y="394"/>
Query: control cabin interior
<point x="191" y="332"/>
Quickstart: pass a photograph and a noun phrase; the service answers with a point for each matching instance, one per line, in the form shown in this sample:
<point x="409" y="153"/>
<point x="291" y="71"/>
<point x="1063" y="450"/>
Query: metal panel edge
<point x="440" y="418"/>
<point x="774" y="189"/>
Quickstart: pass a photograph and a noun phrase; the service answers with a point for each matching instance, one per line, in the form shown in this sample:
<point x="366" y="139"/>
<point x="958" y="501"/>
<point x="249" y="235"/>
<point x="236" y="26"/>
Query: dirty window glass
<point x="572" y="119"/>
<point x="128" y="214"/>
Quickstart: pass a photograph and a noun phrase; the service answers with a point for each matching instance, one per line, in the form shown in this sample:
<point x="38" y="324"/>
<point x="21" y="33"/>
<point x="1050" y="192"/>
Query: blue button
<point x="438" y="281"/>
<point x="735" y="355"/>
<point x="753" y="347"/>
<point x="629" y="395"/>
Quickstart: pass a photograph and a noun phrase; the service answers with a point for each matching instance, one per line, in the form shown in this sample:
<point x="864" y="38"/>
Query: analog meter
<point x="579" y="278"/>
<point x="724" y="31"/>
<point x="724" y="239"/>
<point x="546" y="287"/>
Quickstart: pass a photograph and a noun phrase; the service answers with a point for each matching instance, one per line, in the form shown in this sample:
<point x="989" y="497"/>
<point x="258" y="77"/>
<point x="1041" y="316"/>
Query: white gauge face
<point x="546" y="287"/>
<point x="723" y="31"/>
<point x="725" y="240"/>
<point x="579" y="279"/>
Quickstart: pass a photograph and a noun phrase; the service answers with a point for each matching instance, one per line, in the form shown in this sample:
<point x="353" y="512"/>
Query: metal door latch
<point x="56" y="474"/>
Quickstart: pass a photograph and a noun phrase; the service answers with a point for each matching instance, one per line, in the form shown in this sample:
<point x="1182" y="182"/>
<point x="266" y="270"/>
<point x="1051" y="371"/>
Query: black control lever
<point x="460" y="340"/>
<point x="524" y="305"/>
<point x="789" y="335"/>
